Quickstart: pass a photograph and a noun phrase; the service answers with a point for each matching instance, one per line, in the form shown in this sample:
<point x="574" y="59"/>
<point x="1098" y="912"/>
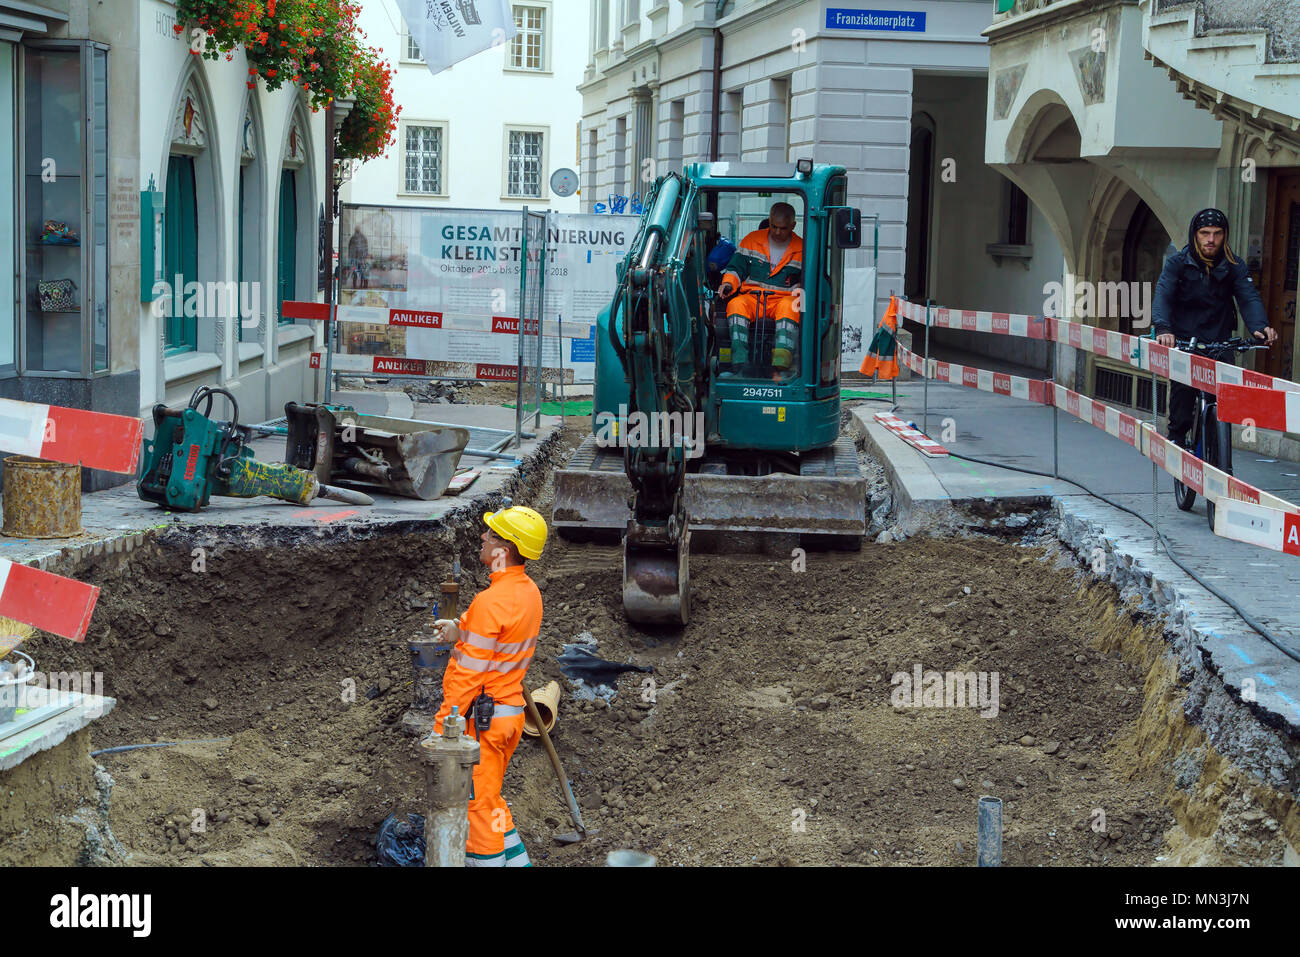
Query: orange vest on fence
<point x="498" y="635"/>
<point x="882" y="356"/>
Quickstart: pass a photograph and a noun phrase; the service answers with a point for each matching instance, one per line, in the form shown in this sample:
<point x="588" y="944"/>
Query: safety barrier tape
<point x="97" y="440"/>
<point x="426" y="319"/>
<point x="46" y="601"/>
<point x="913" y="437"/>
<point x="1142" y="353"/>
<point x="435" y="368"/>
<point x="1244" y="405"/>
<point x="1252" y="515"/>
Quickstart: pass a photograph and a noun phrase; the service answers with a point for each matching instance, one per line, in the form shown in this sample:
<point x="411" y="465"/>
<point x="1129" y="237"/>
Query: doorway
<point x="1281" y="256"/>
<point x="920" y="163"/>
<point x="181" y="253"/>
<point x="287" y="265"/>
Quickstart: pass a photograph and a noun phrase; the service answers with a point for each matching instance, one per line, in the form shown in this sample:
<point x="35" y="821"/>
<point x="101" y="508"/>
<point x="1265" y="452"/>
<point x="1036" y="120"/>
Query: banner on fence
<point x="466" y="263"/>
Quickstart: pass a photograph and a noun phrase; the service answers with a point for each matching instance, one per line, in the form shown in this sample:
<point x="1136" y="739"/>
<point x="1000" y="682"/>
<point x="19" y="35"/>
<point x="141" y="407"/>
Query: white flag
<point x="448" y="31"/>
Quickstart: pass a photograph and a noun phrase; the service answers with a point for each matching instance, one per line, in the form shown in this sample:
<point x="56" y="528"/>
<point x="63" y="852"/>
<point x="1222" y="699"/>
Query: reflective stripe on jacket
<point x="498" y="635"/>
<point x="751" y="268"/>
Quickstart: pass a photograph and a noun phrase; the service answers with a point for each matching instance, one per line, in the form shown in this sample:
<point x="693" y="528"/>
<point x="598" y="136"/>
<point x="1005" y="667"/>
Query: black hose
<point x="156" y="744"/>
<point x="1241" y="612"/>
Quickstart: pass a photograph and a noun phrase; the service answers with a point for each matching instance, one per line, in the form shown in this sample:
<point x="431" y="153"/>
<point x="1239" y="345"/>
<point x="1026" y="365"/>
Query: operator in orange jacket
<point x="768" y="260"/>
<point x="494" y="643"/>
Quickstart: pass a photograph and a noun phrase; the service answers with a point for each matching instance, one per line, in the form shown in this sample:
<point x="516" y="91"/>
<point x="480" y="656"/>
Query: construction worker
<point x="494" y="643"/>
<point x="768" y="261"/>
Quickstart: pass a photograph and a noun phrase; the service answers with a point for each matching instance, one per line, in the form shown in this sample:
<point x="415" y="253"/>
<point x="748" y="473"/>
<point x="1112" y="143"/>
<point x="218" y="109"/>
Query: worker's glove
<point x="447" y="630"/>
<point x="725" y="290"/>
<point x="794" y="278"/>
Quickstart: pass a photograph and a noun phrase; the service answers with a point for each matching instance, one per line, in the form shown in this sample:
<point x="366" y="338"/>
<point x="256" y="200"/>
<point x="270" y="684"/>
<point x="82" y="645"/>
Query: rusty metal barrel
<point x="41" y="499"/>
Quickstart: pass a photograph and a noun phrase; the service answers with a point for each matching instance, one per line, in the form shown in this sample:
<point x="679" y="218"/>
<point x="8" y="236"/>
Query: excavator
<point x="692" y="438"/>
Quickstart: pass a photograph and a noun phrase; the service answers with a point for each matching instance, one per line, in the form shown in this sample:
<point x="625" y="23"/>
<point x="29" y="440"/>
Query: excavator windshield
<point x="756" y="261"/>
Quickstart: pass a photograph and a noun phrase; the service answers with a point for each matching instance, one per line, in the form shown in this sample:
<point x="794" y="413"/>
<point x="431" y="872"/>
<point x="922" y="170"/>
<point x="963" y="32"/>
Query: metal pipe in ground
<point x="925" y="398"/>
<point x="449" y="760"/>
<point x="990" y="832"/>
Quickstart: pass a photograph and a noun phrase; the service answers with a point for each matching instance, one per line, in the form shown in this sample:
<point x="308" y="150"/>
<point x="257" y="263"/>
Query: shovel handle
<point x="555" y="760"/>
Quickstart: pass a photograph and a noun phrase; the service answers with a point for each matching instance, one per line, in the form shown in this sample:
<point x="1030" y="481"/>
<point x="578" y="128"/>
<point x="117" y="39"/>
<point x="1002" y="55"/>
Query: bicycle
<point x="1211" y="440"/>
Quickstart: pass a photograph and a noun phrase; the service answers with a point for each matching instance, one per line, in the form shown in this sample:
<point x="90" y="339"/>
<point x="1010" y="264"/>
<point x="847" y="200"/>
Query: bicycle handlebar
<point x="1236" y="343"/>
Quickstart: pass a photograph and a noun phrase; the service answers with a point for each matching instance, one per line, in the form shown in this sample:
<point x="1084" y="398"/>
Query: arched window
<point x="249" y="261"/>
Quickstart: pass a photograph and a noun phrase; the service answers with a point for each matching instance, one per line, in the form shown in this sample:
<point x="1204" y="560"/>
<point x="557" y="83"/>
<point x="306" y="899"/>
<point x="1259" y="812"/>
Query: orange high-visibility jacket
<point x="881" y="359"/>
<point x="751" y="267"/>
<point x="498" y="634"/>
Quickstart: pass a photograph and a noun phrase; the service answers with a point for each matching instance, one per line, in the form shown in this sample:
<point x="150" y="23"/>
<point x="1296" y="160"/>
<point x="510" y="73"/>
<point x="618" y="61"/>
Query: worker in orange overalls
<point x="768" y="260"/>
<point x="494" y="644"/>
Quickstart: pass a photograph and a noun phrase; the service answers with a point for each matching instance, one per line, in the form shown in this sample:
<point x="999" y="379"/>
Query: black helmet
<point x="1207" y="218"/>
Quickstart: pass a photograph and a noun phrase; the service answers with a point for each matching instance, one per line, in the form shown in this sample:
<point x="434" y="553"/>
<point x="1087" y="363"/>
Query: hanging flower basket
<point x="367" y="131"/>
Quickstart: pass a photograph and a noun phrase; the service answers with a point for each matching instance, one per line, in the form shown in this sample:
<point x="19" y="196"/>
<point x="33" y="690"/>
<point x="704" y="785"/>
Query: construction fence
<point x="1242" y="512"/>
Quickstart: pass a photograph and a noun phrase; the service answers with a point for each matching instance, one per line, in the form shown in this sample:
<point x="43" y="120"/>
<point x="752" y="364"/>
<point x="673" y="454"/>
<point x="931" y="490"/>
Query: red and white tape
<point x="977" y="320"/>
<point x="434" y="368"/>
<point x="999" y="383"/>
<point x="1263" y="408"/>
<point x="46" y="601"/>
<point x="96" y="440"/>
<point x="427" y="319"/>
<point x="913" y="437"/>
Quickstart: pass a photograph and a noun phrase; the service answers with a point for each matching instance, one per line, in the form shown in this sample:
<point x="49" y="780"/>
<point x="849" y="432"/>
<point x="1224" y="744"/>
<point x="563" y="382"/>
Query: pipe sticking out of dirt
<point x="990" y="832"/>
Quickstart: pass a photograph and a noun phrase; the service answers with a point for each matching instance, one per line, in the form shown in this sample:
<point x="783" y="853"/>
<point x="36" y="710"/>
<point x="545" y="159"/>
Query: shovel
<point x="569" y="837"/>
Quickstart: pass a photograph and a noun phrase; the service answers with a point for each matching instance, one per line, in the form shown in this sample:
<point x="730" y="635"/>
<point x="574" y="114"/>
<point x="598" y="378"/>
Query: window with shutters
<point x="424" y="160"/>
<point x="528" y="50"/>
<point x="525" y="163"/>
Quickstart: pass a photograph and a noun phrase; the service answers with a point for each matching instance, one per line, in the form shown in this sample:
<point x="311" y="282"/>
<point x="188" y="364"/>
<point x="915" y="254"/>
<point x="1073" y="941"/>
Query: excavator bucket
<point x="656" y="580"/>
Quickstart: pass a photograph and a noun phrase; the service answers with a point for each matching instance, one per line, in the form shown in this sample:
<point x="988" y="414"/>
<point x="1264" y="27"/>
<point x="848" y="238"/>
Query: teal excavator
<point x="694" y="442"/>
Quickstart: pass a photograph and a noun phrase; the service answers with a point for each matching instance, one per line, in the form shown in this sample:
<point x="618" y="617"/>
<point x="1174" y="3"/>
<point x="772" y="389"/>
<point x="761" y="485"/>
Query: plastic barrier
<point x="46" y="601"/>
<point x="423" y="319"/>
<point x="913" y="437"/>
<point x="96" y="440"/>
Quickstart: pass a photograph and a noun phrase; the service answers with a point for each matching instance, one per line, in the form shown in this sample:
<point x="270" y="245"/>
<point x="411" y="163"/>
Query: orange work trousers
<point x="489" y="815"/>
<point x="779" y="305"/>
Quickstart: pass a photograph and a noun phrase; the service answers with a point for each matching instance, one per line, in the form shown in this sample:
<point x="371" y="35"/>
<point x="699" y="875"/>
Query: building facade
<point x="1121" y="120"/>
<point x="156" y="210"/>
<point x="899" y="104"/>
<point x="488" y="132"/>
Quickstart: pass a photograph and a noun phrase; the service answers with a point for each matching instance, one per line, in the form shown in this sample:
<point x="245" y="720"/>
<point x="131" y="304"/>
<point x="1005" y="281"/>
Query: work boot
<point x="785" y="341"/>
<point x="739" y="341"/>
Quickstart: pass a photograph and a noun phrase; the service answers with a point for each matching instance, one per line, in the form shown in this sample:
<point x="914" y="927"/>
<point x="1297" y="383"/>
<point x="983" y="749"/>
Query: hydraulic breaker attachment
<point x="191" y="458"/>
<point x="399" y="456"/>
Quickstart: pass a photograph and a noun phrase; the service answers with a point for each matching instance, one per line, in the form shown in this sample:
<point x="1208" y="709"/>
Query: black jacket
<point x="1191" y="302"/>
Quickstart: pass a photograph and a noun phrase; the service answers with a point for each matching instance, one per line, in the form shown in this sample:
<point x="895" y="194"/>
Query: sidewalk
<point x="1016" y="433"/>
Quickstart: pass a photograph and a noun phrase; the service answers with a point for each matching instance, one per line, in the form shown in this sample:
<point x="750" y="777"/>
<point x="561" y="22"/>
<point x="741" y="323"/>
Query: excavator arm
<point x="662" y="344"/>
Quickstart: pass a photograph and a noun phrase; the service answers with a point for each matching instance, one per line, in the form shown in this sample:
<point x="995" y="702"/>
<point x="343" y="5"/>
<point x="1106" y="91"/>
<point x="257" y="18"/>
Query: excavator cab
<point x="711" y="440"/>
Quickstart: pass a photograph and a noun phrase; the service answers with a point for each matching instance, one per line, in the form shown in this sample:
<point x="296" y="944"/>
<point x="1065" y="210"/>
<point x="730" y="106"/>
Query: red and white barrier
<point x="425" y="319"/>
<point x="976" y="320"/>
<point x="999" y="383"/>
<point x="1263" y="408"/>
<point x="434" y="368"/>
<point x="1258" y="525"/>
<point x="95" y="440"/>
<point x="46" y="601"/>
<point x="913" y="437"/>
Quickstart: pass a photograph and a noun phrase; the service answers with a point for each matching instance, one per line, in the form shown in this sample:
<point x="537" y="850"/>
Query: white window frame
<point x="401" y="157"/>
<point x="548" y="32"/>
<point x="545" y="162"/>
<point x="404" y="50"/>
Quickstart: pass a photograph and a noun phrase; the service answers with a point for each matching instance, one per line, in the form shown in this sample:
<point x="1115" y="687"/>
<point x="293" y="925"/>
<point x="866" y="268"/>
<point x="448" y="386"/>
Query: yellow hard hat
<point x="521" y="526"/>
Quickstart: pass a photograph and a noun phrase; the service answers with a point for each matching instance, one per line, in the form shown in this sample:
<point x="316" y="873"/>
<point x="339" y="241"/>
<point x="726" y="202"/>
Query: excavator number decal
<point x="761" y="392"/>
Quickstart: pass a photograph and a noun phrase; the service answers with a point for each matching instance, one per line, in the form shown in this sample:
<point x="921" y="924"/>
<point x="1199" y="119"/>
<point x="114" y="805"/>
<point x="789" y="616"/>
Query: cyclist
<point x="1194" y="298"/>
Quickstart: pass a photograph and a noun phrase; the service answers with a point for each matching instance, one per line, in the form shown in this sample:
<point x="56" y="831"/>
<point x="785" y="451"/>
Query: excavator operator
<point x="762" y="280"/>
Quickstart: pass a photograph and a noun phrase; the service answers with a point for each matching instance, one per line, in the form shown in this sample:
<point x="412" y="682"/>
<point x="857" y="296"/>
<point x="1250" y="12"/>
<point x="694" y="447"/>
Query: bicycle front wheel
<point x="1218" y="452"/>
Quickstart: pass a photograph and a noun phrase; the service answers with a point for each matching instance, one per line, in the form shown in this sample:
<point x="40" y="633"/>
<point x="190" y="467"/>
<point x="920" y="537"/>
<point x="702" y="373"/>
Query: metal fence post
<point x="1155" y="469"/>
<point x="925" y="375"/>
<point x="523" y="308"/>
<point x="1051" y="384"/>
<point x="541" y="313"/>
